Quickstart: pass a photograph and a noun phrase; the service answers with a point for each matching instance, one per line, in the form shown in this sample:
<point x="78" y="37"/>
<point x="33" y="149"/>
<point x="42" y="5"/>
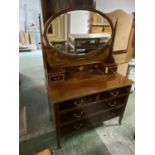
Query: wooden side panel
<point x="24" y="38"/>
<point x="122" y="69"/>
<point x="32" y="38"/>
<point x="123" y="31"/>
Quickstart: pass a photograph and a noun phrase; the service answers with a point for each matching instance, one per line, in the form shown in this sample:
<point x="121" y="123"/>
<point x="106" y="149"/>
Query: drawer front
<point x="75" y="126"/>
<point x="89" y="110"/>
<point x="113" y="113"/>
<point x="114" y="93"/>
<point x="91" y="121"/>
<point x="113" y="103"/>
<point x="77" y="102"/>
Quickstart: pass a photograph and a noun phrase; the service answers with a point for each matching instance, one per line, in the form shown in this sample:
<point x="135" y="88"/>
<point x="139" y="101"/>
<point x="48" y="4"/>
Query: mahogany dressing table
<point x="83" y="89"/>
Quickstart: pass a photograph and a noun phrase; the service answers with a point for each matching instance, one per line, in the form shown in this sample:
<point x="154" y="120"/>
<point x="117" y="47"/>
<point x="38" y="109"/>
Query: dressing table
<point x="84" y="89"/>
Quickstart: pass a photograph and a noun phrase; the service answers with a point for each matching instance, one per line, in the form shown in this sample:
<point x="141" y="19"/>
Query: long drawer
<point x="96" y="107"/>
<point x="91" y="121"/>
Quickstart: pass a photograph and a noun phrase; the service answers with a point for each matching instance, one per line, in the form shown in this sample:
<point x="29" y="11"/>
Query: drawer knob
<point x="78" y="115"/>
<point x="112" y="104"/>
<point x="77" y="127"/>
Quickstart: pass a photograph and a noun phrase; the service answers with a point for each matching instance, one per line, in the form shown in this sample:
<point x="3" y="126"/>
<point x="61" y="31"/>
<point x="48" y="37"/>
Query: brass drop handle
<point x="112" y="104"/>
<point x="115" y="93"/>
<point x="79" y="103"/>
<point x="77" y="127"/>
<point x="78" y="115"/>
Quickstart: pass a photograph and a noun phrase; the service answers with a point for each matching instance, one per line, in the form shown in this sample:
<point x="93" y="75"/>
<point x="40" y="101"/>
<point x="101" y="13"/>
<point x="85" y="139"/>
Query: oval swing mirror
<point x="78" y="32"/>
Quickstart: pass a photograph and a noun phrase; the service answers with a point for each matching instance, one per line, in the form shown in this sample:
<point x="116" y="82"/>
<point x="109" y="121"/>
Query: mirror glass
<point x="79" y="32"/>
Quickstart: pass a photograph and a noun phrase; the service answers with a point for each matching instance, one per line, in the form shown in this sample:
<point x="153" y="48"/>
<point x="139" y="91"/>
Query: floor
<point x="106" y="139"/>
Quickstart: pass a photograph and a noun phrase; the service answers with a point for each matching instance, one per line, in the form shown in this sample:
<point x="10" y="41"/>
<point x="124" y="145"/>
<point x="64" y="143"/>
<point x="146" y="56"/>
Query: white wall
<point x="111" y="5"/>
<point x="79" y="22"/>
<point x="33" y="9"/>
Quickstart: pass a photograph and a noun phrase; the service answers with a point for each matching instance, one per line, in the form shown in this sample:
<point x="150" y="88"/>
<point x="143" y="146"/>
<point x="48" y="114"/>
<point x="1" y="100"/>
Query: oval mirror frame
<point x="93" y="52"/>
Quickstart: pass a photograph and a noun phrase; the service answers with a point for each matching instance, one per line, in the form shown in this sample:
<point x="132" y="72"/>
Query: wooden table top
<point x="85" y="85"/>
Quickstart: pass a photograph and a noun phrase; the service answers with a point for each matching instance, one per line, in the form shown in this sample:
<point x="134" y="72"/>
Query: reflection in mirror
<point x="79" y="32"/>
